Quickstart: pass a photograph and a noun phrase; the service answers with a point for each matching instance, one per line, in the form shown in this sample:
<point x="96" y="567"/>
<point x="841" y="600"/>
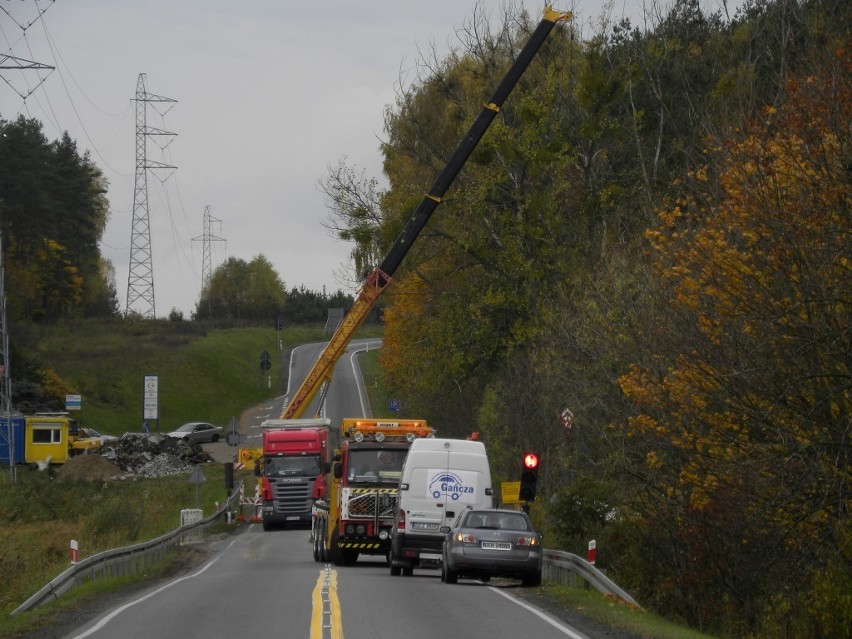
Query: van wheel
<point x="450" y="576"/>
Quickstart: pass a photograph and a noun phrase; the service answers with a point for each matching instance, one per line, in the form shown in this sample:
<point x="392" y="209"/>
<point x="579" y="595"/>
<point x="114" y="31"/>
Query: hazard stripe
<point x="357" y="545"/>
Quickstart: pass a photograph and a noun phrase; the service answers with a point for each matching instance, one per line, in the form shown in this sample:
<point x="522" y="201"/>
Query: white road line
<point x="553" y="622"/>
<point x="103" y="622"/>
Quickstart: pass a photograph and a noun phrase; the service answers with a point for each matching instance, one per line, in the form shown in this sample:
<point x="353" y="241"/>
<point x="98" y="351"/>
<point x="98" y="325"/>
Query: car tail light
<point x="527" y="541"/>
<point x="466" y="538"/>
<point x="400" y="521"/>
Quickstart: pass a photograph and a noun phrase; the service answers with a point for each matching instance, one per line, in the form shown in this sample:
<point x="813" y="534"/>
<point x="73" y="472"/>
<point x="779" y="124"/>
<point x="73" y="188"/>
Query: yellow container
<point x="46" y="437"/>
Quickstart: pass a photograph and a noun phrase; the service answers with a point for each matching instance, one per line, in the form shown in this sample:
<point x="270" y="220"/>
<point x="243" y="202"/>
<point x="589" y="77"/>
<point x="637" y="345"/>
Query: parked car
<point x="487" y="543"/>
<point x="197" y="433"/>
<point x="106" y="440"/>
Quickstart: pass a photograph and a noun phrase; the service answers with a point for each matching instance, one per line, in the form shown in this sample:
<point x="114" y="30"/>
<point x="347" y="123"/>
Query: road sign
<point x="151" y="397"/>
<point x="265" y="364"/>
<point x="510" y="492"/>
<point x="73" y="402"/>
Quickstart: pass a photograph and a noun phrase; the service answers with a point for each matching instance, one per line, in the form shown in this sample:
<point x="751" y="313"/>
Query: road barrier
<point x="564" y="568"/>
<point x="121" y="562"/>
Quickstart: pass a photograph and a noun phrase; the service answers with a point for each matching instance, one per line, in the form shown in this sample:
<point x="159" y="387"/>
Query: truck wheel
<point x="323" y="545"/>
<point x="316" y="542"/>
<point x="334" y="555"/>
<point x="348" y="557"/>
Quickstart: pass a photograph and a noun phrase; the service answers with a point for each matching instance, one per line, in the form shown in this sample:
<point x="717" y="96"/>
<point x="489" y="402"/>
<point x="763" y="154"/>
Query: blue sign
<point x="73" y="402"/>
<point x="395" y="405"/>
<point x="449" y="484"/>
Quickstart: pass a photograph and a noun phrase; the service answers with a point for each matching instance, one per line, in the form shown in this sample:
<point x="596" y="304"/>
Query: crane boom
<point x="379" y="279"/>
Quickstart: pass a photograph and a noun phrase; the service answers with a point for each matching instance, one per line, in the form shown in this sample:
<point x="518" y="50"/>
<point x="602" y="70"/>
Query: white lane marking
<point x="553" y="622"/>
<point x="103" y="622"/>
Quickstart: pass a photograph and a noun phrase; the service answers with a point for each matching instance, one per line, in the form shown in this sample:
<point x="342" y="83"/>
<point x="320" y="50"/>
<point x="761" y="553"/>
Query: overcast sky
<point x="269" y="94"/>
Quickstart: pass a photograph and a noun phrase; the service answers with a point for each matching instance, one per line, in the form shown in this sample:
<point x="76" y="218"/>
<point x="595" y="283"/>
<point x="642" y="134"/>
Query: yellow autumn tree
<point x="745" y="411"/>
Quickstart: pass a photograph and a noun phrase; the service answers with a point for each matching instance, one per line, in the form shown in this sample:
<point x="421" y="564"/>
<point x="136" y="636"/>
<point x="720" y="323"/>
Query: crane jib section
<point x="322" y="371"/>
<point x="379" y="279"/>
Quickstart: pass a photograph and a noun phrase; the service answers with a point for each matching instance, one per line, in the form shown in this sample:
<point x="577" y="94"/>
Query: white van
<point x="440" y="478"/>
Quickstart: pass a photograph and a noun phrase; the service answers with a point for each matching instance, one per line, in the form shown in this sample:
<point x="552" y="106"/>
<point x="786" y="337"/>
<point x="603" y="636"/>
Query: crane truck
<point x="358" y="514"/>
<point x="377" y="281"/>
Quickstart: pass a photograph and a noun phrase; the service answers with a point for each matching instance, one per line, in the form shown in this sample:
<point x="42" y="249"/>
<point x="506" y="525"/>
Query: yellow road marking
<point x="326" y="606"/>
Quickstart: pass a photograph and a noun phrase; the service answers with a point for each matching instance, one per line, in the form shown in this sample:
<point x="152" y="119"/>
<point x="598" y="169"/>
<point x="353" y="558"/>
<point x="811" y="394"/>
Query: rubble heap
<point x="154" y="455"/>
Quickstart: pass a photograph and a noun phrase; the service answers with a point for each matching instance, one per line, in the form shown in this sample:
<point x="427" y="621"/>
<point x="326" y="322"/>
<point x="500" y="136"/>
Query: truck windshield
<point x="307" y="466"/>
<point x="375" y="466"/>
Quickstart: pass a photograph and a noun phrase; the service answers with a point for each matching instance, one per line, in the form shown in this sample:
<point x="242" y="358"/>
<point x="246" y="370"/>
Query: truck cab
<point x="293" y="470"/>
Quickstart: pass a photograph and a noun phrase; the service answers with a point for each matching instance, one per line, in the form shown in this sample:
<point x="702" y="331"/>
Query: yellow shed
<point x="46" y="437"/>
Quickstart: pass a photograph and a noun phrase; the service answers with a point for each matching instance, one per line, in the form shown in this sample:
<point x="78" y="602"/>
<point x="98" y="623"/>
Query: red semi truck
<point x="296" y="460"/>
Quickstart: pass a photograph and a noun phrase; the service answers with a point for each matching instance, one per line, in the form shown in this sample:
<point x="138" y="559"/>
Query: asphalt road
<point x="267" y="584"/>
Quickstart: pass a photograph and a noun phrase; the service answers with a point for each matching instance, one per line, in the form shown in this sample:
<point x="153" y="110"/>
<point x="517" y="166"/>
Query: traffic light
<point x="529" y="476"/>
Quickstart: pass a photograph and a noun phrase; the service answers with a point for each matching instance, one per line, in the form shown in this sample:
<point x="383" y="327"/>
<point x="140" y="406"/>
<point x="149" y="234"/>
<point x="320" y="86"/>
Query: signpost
<point x="151" y="398"/>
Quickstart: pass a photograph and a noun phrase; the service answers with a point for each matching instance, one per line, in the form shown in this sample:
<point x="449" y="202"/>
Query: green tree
<point x="240" y="290"/>
<point x="53" y="213"/>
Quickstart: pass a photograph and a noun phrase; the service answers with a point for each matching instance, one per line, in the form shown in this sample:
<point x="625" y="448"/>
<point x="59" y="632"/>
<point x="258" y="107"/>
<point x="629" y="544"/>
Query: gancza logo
<point x="448" y="484"/>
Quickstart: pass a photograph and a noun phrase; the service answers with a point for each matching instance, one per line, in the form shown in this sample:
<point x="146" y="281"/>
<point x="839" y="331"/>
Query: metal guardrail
<point x="564" y="568"/>
<point x="121" y="562"/>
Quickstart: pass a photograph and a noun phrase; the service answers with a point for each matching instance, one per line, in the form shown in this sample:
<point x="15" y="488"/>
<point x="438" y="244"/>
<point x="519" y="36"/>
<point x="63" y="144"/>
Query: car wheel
<point x="407" y="571"/>
<point x="396" y="571"/>
<point x="215" y="438"/>
<point x="533" y="581"/>
<point x="450" y="576"/>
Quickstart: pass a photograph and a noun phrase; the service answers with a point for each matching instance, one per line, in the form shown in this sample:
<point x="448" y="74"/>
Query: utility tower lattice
<point x="140" y="280"/>
<point x="206" y="239"/>
<point x="13" y="63"/>
<point x="7" y="433"/>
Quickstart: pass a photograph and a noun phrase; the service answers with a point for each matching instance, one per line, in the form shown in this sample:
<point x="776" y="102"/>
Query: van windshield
<point x="375" y="466"/>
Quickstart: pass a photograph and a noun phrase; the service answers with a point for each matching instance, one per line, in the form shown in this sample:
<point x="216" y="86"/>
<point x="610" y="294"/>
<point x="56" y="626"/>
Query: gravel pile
<point x="153" y="455"/>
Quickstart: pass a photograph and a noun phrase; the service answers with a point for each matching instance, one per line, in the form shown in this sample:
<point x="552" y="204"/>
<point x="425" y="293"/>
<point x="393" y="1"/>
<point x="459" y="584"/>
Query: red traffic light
<point x="531" y="461"/>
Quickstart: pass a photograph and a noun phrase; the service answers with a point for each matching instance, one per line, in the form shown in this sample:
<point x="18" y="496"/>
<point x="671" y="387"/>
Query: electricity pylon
<point x="206" y="239"/>
<point x="140" y="280"/>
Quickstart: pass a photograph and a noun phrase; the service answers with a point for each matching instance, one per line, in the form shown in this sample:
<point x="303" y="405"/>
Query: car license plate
<point x="496" y="545"/>
<point x="293" y="518"/>
<point x="417" y="525"/>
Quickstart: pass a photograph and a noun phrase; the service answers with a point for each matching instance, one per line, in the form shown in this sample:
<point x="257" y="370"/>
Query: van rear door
<point x="455" y="484"/>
